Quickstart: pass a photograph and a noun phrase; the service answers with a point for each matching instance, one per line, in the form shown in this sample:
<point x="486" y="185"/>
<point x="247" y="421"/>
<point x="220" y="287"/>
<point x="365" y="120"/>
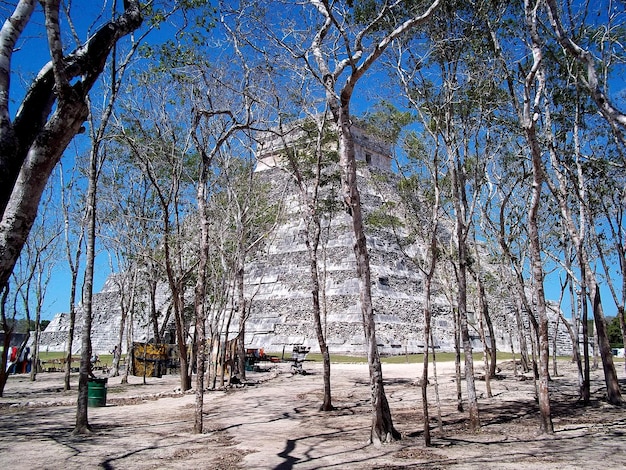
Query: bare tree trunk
<point x="534" y="347"/>
<point x="615" y="222"/>
<point x="614" y="395"/>
<point x="382" y="424"/>
<point x="573" y="334"/>
<point x="437" y="398"/>
<point x="492" y="348"/>
<point x="535" y="81"/>
<point x="521" y="302"/>
<point x="461" y="275"/>
<point x="586" y="385"/>
<point x="181" y="340"/>
<point x="176" y="285"/>
<point x="73" y="263"/>
<point x="622" y="324"/>
<point x="82" y="420"/>
<point x="351" y="69"/>
<point x="70" y="332"/>
<point x="117" y="351"/>
<point x="216" y="349"/>
<point x="513" y="354"/>
<point x="145" y="365"/>
<point x="129" y="348"/>
<point x="227" y="354"/>
<point x="470" y="384"/>
<point x="241" y="306"/>
<point x="125" y="308"/>
<point x="327" y="404"/>
<point x="428" y="334"/>
<point x="35" y="351"/>
<point x="8" y="332"/>
<point x="154" y="314"/>
<point x="483" y="314"/>
<point x="483" y="339"/>
<point x="555" y="372"/>
<point x="537" y="272"/>
<point x="200" y="298"/>
<point x="457" y="361"/>
<point x="223" y="361"/>
<point x="427" y="340"/>
<point x="525" y="360"/>
<point x="588" y="276"/>
<point x="595" y="349"/>
<point x="192" y="354"/>
<point x="311" y="218"/>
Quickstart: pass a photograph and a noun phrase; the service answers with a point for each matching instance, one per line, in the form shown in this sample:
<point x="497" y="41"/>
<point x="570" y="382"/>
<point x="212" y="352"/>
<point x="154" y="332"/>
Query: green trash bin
<point x="97" y="392"/>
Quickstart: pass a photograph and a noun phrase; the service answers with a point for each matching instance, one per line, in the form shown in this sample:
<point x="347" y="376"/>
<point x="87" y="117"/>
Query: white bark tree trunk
<point x="31" y="146"/>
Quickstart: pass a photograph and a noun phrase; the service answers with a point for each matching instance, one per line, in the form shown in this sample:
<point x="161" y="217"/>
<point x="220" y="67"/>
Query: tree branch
<point x="11" y="31"/>
<point x="86" y="62"/>
<point x="613" y="115"/>
<point x="53" y="32"/>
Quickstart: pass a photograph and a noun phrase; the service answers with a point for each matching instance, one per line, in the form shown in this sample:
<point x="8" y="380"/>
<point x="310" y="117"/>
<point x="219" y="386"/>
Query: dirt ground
<point x="274" y="423"/>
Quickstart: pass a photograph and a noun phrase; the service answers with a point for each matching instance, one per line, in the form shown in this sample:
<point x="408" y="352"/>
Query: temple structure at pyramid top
<point x="368" y="148"/>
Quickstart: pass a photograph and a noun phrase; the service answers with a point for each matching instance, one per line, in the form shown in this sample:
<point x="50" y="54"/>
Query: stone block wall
<point x="278" y="285"/>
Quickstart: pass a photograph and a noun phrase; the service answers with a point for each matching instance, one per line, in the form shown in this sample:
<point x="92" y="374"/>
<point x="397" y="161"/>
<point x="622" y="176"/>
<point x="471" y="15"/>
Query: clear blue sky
<point x="29" y="60"/>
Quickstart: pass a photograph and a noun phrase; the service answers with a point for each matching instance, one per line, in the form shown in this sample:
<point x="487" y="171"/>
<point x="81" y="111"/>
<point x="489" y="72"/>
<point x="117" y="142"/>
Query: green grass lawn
<point x="412" y="358"/>
<point x="105" y="359"/>
<point x="400" y="359"/>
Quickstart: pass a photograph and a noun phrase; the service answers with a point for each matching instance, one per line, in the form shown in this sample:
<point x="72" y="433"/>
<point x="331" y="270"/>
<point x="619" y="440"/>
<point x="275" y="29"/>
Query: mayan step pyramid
<point x="277" y="278"/>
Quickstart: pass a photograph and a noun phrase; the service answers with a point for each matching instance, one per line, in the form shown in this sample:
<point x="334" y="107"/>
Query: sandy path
<point x="276" y="424"/>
